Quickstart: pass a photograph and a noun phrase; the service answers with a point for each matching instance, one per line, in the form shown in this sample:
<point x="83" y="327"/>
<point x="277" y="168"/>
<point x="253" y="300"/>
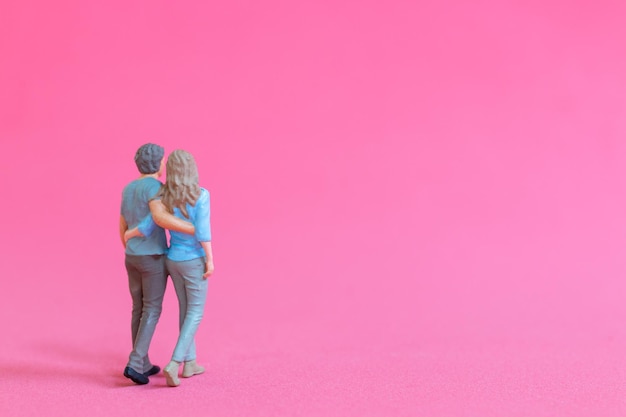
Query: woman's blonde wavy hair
<point x="181" y="185"/>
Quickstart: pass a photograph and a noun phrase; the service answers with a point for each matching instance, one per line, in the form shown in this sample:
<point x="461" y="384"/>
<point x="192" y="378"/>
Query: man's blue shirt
<point x="135" y="208"/>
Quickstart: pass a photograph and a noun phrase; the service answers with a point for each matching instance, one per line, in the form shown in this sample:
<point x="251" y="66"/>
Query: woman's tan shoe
<point x="192" y="368"/>
<point x="171" y="374"/>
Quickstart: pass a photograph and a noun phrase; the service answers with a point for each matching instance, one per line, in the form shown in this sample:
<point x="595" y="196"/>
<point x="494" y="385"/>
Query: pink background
<point x="418" y="207"/>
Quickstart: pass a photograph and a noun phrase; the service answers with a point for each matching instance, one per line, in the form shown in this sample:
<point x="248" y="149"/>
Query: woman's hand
<point x="208" y="269"/>
<point x="208" y="259"/>
<point x="131" y="233"/>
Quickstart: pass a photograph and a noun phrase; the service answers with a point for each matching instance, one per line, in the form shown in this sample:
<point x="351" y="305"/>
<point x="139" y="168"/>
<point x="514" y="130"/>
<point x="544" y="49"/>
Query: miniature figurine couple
<point x="181" y="206"/>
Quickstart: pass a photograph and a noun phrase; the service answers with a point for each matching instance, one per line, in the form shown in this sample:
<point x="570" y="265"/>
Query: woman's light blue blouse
<point x="184" y="247"/>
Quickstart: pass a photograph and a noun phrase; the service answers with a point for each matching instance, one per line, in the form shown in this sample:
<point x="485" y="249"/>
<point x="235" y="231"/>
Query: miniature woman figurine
<point x="189" y="259"/>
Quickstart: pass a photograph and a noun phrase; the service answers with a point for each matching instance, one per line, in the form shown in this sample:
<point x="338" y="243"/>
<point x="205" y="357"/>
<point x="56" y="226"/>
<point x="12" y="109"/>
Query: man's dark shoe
<point x="135" y="376"/>
<point x="152" y="371"/>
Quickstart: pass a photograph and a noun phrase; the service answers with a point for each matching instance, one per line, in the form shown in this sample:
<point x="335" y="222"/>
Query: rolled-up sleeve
<point x="202" y="221"/>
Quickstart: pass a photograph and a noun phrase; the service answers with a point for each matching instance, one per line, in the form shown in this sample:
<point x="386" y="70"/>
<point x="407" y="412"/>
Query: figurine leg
<point x="153" y="282"/>
<point x="191" y="290"/>
<point x="136" y="294"/>
<point x="181" y="295"/>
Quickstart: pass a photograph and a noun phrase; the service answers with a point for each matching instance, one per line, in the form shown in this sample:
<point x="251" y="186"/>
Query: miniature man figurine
<point x="145" y="259"/>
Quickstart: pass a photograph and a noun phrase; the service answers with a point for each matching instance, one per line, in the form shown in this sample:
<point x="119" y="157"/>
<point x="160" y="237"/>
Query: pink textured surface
<point x="418" y="207"/>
